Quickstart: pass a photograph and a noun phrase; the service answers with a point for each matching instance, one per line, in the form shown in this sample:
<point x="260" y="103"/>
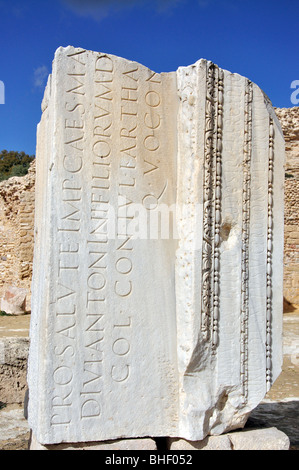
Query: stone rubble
<point x="14" y="301"/>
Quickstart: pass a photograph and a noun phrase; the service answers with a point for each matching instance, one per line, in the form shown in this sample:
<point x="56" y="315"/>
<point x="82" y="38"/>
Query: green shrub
<point x="14" y="164"/>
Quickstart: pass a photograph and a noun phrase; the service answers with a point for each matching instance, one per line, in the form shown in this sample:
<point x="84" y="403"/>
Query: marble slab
<point x="157" y="285"/>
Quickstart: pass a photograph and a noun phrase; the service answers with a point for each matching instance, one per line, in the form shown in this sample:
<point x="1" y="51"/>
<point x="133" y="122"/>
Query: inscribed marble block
<point x="157" y="284"/>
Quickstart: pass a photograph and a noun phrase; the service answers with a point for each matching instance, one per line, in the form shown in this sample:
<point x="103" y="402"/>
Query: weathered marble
<point x="139" y="327"/>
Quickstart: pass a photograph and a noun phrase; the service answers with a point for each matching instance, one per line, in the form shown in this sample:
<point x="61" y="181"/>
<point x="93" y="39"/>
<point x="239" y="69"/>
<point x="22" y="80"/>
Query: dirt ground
<point x="280" y="408"/>
<point x="14" y="326"/>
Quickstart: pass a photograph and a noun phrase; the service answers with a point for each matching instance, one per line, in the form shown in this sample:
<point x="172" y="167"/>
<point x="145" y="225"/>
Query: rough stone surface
<point x="136" y="335"/>
<point x="13" y="368"/>
<point x="14" y="430"/>
<point x="289" y="118"/>
<point x="16" y="231"/>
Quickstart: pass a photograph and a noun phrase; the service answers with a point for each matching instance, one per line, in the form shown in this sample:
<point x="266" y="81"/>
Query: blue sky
<point x="256" y="38"/>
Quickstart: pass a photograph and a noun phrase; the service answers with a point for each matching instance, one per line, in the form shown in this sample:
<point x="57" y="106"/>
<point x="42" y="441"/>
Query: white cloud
<point x="40" y="76"/>
<point x="99" y="9"/>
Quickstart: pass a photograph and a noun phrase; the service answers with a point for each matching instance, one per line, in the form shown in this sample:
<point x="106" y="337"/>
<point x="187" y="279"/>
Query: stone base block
<point x="248" y="439"/>
<point x="209" y="443"/>
<point x="260" y="439"/>
<point x="121" y="444"/>
<point x="251" y="439"/>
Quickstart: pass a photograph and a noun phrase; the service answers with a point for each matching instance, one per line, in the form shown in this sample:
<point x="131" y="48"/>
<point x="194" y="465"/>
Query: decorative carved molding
<point x="207" y="203"/>
<point x="212" y="204"/>
<point x="218" y="172"/>
<point x="269" y="257"/>
<point x="245" y="240"/>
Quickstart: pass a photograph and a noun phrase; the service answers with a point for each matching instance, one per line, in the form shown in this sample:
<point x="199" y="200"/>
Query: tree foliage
<point x="14" y="164"/>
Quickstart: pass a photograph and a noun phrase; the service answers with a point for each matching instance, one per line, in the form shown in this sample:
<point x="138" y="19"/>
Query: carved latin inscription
<point x="109" y="158"/>
<point x="137" y="330"/>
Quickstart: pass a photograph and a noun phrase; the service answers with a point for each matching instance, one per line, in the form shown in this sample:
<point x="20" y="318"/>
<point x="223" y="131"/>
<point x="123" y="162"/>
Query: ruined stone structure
<point x="17" y="232"/>
<point x="138" y="329"/>
<point x="289" y="119"/>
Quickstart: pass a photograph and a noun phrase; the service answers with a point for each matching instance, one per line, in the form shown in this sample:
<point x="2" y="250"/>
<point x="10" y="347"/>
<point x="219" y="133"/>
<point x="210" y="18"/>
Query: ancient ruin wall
<point x="289" y="118"/>
<point x="17" y="231"/>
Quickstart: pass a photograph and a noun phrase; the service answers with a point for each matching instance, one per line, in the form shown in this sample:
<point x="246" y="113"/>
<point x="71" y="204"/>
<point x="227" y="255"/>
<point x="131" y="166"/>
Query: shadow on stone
<point x="287" y="306"/>
<point x="282" y="415"/>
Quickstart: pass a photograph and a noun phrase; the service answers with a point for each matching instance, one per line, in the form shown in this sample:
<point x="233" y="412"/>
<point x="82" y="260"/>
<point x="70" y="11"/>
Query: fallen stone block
<point x="14" y="301"/>
<point x="157" y="283"/>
